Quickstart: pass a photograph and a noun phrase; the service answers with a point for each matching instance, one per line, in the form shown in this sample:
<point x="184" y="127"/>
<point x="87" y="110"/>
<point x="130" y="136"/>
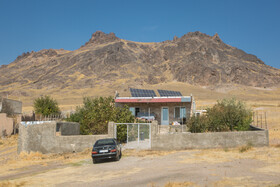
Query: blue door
<point x="164" y="116"/>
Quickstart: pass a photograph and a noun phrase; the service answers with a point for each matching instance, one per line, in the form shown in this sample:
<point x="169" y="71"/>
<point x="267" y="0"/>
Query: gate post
<point x="111" y="133"/>
<point x="153" y="132"/>
<point x="154" y="128"/>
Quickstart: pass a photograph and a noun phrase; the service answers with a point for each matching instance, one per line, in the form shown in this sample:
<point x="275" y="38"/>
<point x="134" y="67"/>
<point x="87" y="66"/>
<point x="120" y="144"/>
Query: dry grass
<point x="245" y="148"/>
<point x="12" y="184"/>
<point x="225" y="182"/>
<point x="240" y="181"/>
<point x="8" y="141"/>
<point x="11" y="162"/>
<point x="145" y="153"/>
<point x="180" y="184"/>
<point x="62" y="176"/>
<point x="270" y="155"/>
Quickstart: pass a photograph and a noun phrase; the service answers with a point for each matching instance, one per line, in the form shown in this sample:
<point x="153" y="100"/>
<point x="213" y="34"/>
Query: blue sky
<point x="253" y="26"/>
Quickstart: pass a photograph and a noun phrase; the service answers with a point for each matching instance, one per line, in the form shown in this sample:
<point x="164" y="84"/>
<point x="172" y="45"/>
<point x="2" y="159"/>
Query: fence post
<point x="127" y="133"/>
<point x="257" y="119"/>
<point x="265" y="120"/>
<point x="115" y="129"/>
<point x="138" y="134"/>
<point x="261" y="120"/>
<point x="254" y="118"/>
<point x="150" y="135"/>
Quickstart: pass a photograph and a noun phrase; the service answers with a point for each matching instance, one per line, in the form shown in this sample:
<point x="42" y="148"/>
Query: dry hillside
<point x="108" y="62"/>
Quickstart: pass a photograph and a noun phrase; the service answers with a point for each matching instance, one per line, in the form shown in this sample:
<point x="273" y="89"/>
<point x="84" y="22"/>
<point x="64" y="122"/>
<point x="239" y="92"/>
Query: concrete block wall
<point x="68" y="128"/>
<point x="173" y="141"/>
<point x="164" y="129"/>
<point x="42" y="138"/>
<point x="15" y="105"/>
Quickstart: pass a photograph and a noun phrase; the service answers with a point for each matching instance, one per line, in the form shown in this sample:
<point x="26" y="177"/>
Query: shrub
<point x="245" y="147"/>
<point x="198" y="124"/>
<point x="226" y="115"/>
<point x="45" y="105"/>
<point x="95" y="114"/>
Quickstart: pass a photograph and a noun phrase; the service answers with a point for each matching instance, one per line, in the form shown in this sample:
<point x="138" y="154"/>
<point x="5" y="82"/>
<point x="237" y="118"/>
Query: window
<point x="105" y="142"/>
<point x="180" y="114"/>
<point x="177" y="112"/>
<point x="137" y="110"/>
<point x="134" y="110"/>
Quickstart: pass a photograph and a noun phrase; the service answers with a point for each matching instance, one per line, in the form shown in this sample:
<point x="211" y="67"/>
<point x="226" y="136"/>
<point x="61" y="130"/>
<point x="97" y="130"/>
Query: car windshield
<point x="105" y="142"/>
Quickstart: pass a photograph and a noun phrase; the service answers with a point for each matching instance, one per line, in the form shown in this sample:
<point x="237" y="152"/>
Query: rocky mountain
<point x="106" y="60"/>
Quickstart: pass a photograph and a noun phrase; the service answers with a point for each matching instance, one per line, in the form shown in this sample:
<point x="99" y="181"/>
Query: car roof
<point x="107" y="139"/>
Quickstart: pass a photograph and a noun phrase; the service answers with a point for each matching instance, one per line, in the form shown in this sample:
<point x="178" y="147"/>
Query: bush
<point x="198" y="124"/>
<point x="245" y="147"/>
<point x="95" y="114"/>
<point x="226" y="115"/>
<point x="45" y="105"/>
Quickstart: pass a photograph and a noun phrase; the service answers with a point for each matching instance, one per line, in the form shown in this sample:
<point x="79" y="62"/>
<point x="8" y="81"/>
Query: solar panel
<point x="142" y="93"/>
<point x="168" y="93"/>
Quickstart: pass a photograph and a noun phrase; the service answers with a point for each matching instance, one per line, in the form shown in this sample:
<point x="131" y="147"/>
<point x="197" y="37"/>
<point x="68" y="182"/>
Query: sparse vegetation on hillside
<point x="45" y="105"/>
<point x="226" y="115"/>
<point x="95" y="114"/>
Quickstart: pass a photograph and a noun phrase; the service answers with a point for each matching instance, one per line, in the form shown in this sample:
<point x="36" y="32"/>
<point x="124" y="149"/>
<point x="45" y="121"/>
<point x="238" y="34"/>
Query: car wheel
<point x="118" y="157"/>
<point x="94" y="161"/>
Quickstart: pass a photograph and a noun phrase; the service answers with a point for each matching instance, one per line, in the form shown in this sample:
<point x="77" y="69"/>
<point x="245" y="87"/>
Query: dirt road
<point x="255" y="167"/>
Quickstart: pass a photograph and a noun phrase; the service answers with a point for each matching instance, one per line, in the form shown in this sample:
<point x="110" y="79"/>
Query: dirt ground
<point x="244" y="166"/>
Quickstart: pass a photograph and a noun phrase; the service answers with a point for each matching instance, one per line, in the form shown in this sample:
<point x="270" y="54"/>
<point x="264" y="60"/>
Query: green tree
<point x="226" y="115"/>
<point x="95" y="114"/>
<point x="45" y="105"/>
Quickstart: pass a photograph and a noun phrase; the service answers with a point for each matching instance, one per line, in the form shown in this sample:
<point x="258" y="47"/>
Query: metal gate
<point x="134" y="135"/>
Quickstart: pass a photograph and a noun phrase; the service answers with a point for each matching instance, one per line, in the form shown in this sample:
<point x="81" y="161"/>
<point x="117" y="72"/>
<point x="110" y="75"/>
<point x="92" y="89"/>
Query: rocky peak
<point x="175" y="38"/>
<point x="216" y="37"/>
<point x="195" y="34"/>
<point x="100" y="37"/>
<point x="41" y="53"/>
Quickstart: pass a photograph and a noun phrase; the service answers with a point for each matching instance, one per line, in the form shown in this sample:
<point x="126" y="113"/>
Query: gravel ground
<point x="194" y="167"/>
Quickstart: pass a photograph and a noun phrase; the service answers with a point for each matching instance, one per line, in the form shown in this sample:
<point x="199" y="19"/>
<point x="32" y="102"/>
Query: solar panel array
<point x="142" y="93"/>
<point x="168" y="93"/>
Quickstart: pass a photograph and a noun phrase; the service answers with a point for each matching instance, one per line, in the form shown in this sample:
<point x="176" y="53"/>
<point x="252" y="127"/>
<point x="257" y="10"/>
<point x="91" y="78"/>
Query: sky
<point x="32" y="25"/>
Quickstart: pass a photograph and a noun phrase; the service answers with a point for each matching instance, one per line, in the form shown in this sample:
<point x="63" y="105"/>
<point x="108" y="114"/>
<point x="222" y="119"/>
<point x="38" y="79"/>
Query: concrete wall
<point x="68" y="128"/>
<point x="171" y="141"/>
<point x="42" y="138"/>
<point x="6" y="125"/>
<point x="155" y="108"/>
<point x="15" y="105"/>
<point x="163" y="129"/>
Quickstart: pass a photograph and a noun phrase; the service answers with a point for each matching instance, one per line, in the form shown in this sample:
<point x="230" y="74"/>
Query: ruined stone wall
<point x="6" y="125"/>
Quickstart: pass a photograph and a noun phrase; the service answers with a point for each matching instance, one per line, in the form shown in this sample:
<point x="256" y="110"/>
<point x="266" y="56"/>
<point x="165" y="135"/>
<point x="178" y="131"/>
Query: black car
<point x="106" y="149"/>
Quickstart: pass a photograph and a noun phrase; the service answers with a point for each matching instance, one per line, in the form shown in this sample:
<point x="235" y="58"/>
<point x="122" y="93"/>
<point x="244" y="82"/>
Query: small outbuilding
<point x="10" y="116"/>
<point x="168" y="107"/>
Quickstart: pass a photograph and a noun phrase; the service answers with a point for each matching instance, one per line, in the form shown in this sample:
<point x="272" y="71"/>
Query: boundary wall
<point x="186" y="140"/>
<point x="43" y="138"/>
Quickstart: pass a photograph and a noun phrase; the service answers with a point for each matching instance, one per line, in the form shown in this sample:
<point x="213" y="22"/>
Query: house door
<point x="164" y="116"/>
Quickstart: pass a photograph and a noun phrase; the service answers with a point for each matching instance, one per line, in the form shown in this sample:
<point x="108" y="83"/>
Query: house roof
<point x="182" y="99"/>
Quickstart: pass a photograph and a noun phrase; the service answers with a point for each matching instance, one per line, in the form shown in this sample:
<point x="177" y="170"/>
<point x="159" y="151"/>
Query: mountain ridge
<point x="195" y="58"/>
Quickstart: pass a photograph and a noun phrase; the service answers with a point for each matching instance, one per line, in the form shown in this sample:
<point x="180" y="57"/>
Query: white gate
<point x="134" y="135"/>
